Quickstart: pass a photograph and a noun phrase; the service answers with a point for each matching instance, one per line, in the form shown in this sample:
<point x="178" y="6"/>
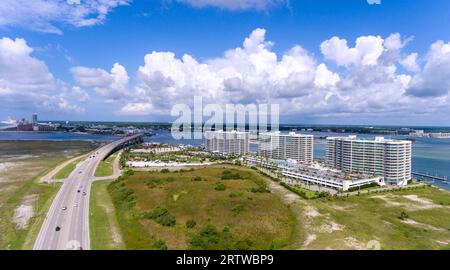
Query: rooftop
<point x="376" y="140"/>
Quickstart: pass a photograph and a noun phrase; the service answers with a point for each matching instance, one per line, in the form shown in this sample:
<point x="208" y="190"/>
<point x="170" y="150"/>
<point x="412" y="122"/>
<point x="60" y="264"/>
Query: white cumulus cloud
<point x="113" y="84"/>
<point x="235" y="4"/>
<point x="47" y="15"/>
<point x="25" y="81"/>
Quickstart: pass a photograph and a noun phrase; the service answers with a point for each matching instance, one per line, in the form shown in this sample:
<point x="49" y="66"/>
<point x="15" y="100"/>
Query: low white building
<point x="296" y="173"/>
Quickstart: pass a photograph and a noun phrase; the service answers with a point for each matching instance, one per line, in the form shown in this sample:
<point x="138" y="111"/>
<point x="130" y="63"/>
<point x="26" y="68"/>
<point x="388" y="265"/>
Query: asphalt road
<point x="70" y="208"/>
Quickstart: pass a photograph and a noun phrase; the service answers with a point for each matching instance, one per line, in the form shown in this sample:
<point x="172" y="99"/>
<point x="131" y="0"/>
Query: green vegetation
<point x="105" y="168"/>
<point x="19" y="185"/>
<point x="67" y="170"/>
<point x="259" y="189"/>
<point x="103" y="226"/>
<point x="408" y="219"/>
<point x="162" y="216"/>
<point x="220" y="186"/>
<point x="181" y="156"/>
<point x="366" y="186"/>
<point x="200" y="215"/>
<point x="303" y="192"/>
<point x="238" y="208"/>
<point x="160" y="245"/>
<point x="230" y="174"/>
<point x="190" y="223"/>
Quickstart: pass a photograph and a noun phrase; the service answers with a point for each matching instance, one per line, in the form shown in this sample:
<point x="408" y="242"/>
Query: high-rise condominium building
<point x="382" y="157"/>
<point x="293" y="146"/>
<point x="34" y="118"/>
<point x="227" y="142"/>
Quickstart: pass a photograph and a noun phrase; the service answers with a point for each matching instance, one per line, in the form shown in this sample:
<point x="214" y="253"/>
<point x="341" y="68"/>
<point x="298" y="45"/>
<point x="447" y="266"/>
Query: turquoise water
<point x="429" y="154"/>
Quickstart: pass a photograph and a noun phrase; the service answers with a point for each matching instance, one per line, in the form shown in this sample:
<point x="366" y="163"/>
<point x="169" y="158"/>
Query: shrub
<point x="162" y="216"/>
<point x="259" y="189"/>
<point x="165" y="170"/>
<point x="323" y="194"/>
<point x="220" y="186"/>
<point x="197" y="178"/>
<point x="228" y="174"/>
<point x="363" y="187"/>
<point x="191" y="223"/>
<point x="403" y="215"/>
<point x="123" y="195"/>
<point x="235" y="194"/>
<point x="170" y="179"/>
<point x="210" y="238"/>
<point x="153" y="182"/>
<point x="238" y="209"/>
<point x="129" y="173"/>
<point x="244" y="244"/>
<point x="160" y="245"/>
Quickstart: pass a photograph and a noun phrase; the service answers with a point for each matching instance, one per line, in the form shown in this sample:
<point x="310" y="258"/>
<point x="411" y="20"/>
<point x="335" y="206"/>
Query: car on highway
<point x="76" y="205"/>
<point x="78" y="191"/>
<point x="84" y="193"/>
<point x="57" y="228"/>
<point x="64" y="208"/>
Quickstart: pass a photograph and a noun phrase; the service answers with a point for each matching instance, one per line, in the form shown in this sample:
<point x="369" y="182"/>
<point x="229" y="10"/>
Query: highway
<point x="66" y="225"/>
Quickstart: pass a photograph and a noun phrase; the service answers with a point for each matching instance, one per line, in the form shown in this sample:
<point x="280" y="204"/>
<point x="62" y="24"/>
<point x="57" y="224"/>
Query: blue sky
<point x="76" y="51"/>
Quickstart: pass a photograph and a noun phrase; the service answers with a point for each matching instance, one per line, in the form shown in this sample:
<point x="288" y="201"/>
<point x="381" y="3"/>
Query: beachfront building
<point x="227" y="142"/>
<point x="382" y="157"/>
<point x="300" y="174"/>
<point x="275" y="145"/>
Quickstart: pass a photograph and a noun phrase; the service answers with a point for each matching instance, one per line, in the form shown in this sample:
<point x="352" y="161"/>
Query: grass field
<point x="350" y="223"/>
<point x="23" y="201"/>
<point x="105" y="168"/>
<point x="104" y="229"/>
<point x="65" y="172"/>
<point x="201" y="209"/>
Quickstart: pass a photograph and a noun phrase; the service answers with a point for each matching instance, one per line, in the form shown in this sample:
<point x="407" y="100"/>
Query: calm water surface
<point x="429" y="154"/>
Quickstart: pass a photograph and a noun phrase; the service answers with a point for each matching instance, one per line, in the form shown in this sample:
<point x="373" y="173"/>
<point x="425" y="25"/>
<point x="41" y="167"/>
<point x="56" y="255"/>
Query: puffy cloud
<point x="136" y="109"/>
<point x="111" y="84"/>
<point x="410" y="62"/>
<point x="251" y="73"/>
<point x="46" y="15"/>
<point x="367" y="82"/>
<point x="19" y="71"/>
<point x="434" y="80"/>
<point x="325" y="78"/>
<point x="363" y="81"/>
<point x="25" y="81"/>
<point x="366" y="52"/>
<point x="235" y="4"/>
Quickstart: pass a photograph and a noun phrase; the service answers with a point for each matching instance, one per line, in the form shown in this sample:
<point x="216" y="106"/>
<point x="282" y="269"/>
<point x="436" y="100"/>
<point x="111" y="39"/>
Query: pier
<point x="429" y="177"/>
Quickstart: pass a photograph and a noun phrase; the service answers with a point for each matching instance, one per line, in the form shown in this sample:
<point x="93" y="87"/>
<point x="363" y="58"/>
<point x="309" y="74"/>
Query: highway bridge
<point x="66" y="225"/>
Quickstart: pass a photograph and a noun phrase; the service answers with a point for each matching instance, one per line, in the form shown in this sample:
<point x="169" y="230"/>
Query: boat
<point x="9" y="121"/>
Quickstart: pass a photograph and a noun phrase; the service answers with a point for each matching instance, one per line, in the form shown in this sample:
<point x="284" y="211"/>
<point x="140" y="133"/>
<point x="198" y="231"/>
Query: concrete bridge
<point x="120" y="144"/>
<point x="66" y="225"/>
